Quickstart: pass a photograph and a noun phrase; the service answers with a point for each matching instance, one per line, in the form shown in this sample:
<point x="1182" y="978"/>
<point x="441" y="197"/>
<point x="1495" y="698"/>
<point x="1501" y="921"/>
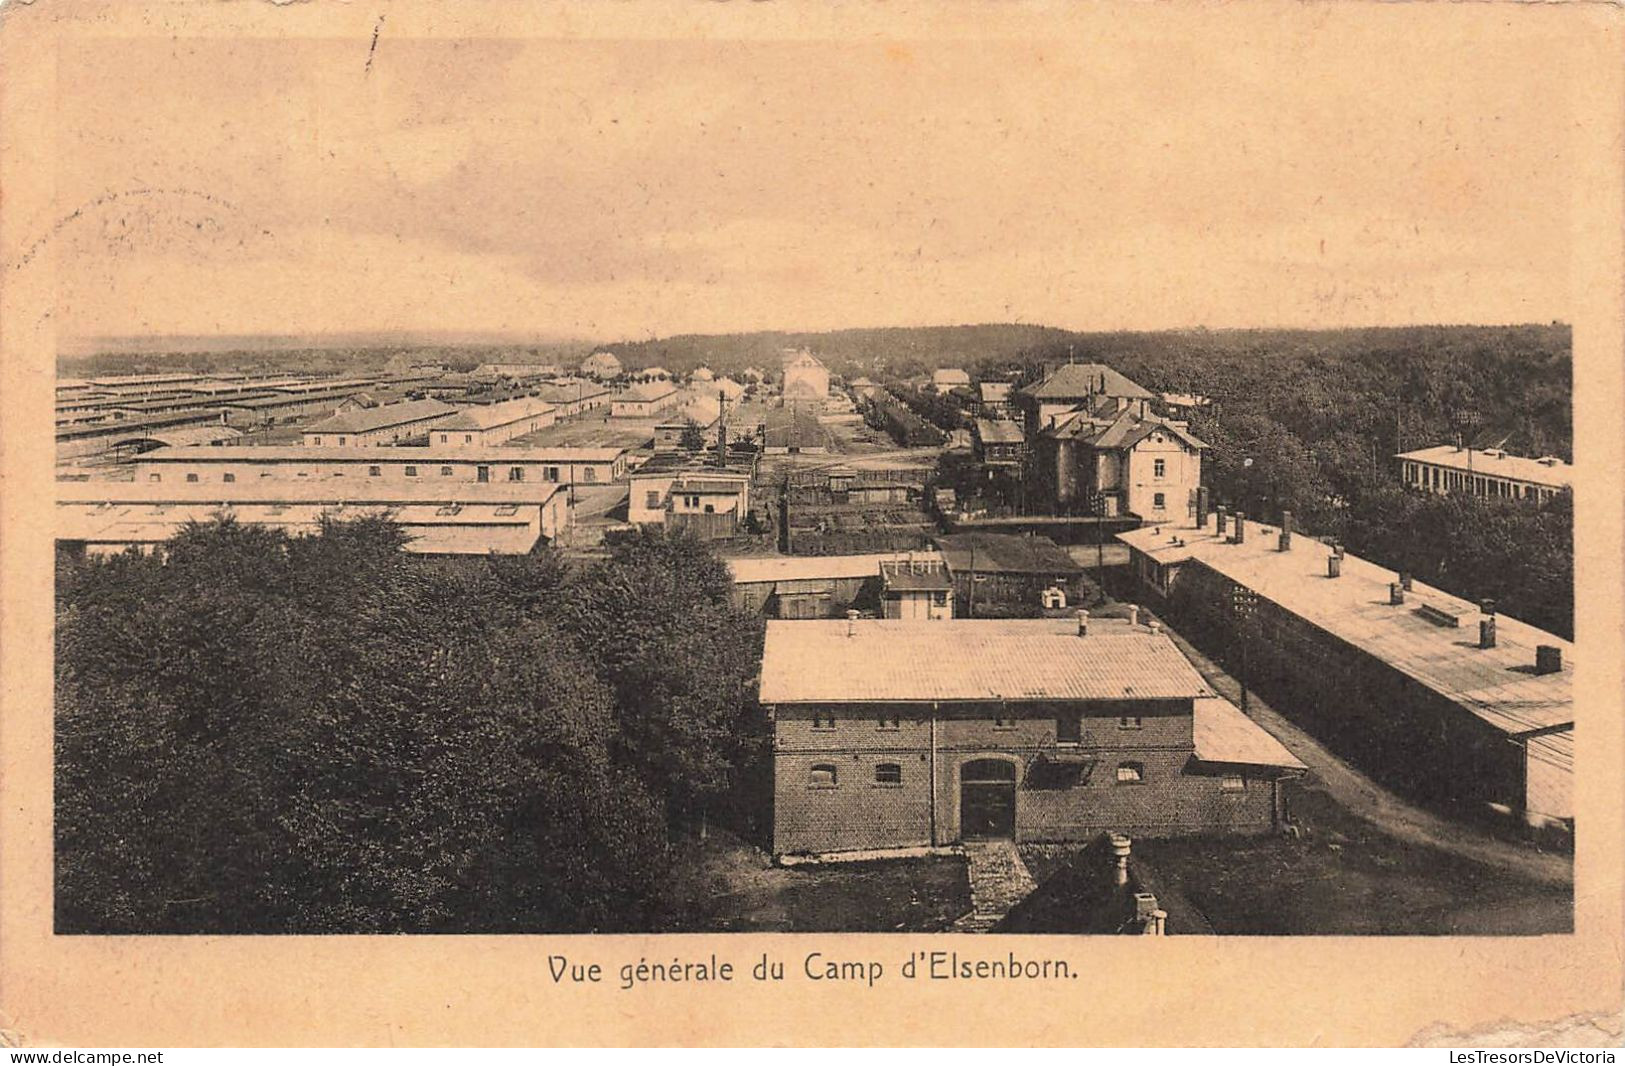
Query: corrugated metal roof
<point x="896" y="662"/>
<point x="1225" y="735"/>
<point x="1498" y="684"/>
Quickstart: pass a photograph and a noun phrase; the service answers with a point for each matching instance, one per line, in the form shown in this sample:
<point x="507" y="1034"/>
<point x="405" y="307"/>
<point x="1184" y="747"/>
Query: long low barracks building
<point x="891" y="734"/>
<point x="552" y="465"/>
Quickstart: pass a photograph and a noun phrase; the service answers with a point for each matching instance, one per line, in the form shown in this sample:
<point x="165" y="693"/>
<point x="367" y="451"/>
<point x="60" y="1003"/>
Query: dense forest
<point x="274" y="734"/>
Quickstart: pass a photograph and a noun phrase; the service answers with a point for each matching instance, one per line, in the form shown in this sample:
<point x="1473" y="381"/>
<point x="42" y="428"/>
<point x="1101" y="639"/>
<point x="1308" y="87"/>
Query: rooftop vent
<point x="1548" y="659"/>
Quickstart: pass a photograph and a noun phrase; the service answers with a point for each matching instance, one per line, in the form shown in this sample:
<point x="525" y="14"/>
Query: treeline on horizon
<point x="264" y="733"/>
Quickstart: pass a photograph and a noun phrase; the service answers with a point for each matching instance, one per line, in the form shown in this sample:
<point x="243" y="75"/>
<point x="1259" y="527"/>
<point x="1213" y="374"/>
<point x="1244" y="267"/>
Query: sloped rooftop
<point x="1076" y="380"/>
<point x="890" y="661"/>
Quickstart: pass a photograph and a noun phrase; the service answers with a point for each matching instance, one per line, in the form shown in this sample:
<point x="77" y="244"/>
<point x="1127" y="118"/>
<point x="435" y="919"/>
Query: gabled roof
<point x="488" y="416"/>
<point x="890" y="661"/>
<point x="1077" y="380"/>
<point x="992" y="431"/>
<point x="801" y="360"/>
<point x="1122" y="429"/>
<point x="647" y="392"/>
<point x="383" y="417"/>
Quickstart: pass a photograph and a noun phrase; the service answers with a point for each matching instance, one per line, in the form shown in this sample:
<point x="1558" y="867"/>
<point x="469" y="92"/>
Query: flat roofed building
<point x="386" y="424"/>
<point x="483" y="426"/>
<point x="1426" y="691"/>
<point x="915" y="733"/>
<point x="1492" y="473"/>
<point x="102" y="517"/>
<point x="551" y="465"/>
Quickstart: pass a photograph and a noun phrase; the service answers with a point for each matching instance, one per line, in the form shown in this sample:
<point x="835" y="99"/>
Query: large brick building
<point x="918" y="733"/>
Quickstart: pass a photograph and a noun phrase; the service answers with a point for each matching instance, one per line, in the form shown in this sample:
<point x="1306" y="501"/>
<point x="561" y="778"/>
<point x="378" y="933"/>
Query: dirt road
<point x="1361" y="796"/>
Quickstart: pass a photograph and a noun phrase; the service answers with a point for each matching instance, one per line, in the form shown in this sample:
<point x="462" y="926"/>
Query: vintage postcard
<point x="705" y="523"/>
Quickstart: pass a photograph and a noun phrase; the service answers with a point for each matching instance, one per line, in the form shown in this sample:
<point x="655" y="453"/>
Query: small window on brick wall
<point x="1004" y="723"/>
<point x="888" y="773"/>
<point x="889" y="723"/>
<point x="823" y="721"/>
<point x="1131" y="722"/>
<point x="1233" y="783"/>
<point x="1130" y="773"/>
<point x="821" y="775"/>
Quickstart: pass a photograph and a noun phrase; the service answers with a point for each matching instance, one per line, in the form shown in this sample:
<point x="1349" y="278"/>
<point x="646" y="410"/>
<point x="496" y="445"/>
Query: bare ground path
<point x="1361" y="796"/>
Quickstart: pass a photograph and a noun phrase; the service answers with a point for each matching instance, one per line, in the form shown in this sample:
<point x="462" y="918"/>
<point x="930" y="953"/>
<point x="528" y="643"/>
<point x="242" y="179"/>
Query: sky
<point x="621" y="189"/>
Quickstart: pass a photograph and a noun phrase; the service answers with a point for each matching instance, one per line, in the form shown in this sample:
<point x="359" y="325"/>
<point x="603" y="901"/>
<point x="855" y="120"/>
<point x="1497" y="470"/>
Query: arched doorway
<point x="987" y="799"/>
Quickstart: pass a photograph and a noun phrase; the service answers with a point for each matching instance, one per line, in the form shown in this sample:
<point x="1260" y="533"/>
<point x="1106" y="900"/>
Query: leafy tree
<point x="658" y="620"/>
<point x="315" y="734"/>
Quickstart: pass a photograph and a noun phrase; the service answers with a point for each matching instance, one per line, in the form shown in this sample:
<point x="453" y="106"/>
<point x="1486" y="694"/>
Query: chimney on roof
<point x="1334" y="565"/>
<point x="1154" y="625"/>
<point x="1405" y="580"/>
<point x="1083" y="623"/>
<point x="1241" y="528"/>
<point x="1396" y="593"/>
<point x="1486" y="625"/>
<point x="1121" y="846"/>
<point x="851" y="623"/>
<point x="1223" y="520"/>
<point x="1201" y="507"/>
<point x="1133" y="614"/>
<point x="1285" y="541"/>
<point x="1548" y="659"/>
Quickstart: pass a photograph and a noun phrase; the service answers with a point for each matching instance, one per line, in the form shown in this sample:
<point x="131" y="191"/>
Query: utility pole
<point x="970" y="608"/>
<point x="1100" y="544"/>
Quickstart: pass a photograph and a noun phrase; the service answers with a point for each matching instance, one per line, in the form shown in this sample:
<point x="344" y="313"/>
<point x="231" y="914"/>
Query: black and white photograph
<point x="966" y="482"/>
